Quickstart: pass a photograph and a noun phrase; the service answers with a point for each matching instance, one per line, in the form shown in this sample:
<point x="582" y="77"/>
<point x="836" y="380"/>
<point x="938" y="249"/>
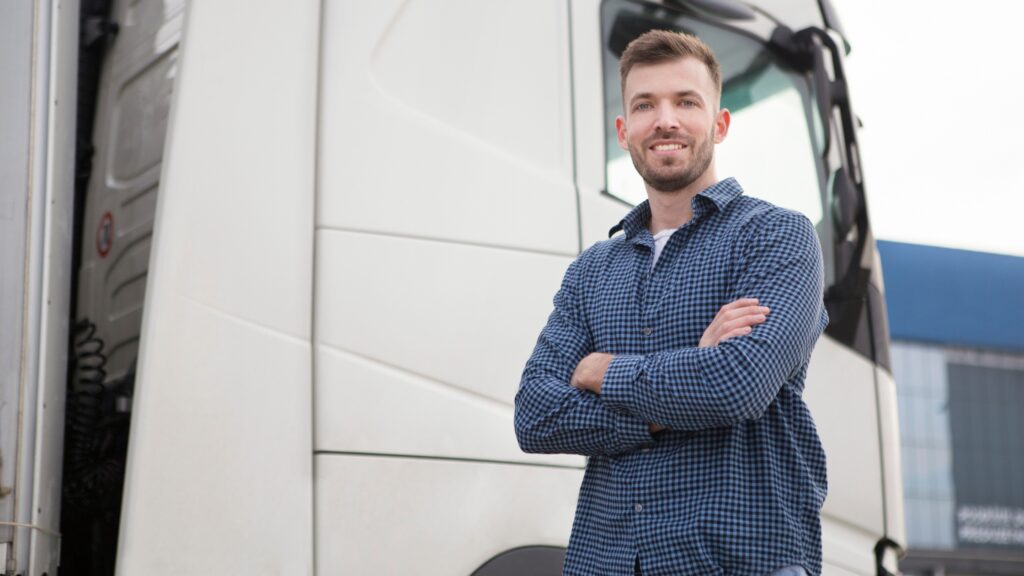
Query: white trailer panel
<point x="219" y="477"/>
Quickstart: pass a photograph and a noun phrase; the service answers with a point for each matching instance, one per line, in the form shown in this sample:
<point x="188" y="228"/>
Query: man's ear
<point x="620" y="130"/>
<point x="722" y="120"/>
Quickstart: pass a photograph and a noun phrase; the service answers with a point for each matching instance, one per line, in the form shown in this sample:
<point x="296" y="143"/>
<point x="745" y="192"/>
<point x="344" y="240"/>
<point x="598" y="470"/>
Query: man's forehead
<point x="672" y="76"/>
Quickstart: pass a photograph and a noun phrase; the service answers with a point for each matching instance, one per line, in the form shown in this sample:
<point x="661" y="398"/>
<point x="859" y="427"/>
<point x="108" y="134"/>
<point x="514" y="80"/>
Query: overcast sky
<point x="936" y="86"/>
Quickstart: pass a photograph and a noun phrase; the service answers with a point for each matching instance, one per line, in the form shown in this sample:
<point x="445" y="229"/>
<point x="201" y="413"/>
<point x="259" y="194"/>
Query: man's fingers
<point x="734" y="333"/>
<point x="741" y="310"/>
<point x="745" y="311"/>
<point x="747" y="320"/>
<point x="735" y="305"/>
<point x="739" y="303"/>
<point x="734" y="328"/>
<point x="734" y="319"/>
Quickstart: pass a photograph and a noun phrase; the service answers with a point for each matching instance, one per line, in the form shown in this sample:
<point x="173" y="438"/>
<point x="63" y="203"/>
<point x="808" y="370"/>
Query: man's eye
<point x="642" y="106"/>
<point x="689" y="103"/>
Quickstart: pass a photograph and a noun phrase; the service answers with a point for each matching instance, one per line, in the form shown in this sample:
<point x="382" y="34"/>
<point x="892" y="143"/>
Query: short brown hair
<point x="658" y="46"/>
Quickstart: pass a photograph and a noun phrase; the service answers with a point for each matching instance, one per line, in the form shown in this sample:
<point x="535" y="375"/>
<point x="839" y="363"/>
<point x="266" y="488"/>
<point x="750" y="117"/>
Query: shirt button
<point x="638" y="507"/>
<point x="648" y="331"/>
<point x="645" y="450"/>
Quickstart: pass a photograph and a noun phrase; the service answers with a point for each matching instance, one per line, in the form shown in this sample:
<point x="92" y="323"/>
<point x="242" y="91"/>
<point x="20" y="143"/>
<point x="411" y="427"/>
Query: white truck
<point x="270" y="272"/>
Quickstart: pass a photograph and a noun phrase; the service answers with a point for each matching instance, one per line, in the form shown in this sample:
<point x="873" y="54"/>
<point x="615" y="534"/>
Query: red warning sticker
<point x="105" y="235"/>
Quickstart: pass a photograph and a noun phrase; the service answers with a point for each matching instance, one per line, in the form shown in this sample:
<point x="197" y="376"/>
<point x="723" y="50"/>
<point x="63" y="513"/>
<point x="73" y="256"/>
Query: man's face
<point x="672" y="123"/>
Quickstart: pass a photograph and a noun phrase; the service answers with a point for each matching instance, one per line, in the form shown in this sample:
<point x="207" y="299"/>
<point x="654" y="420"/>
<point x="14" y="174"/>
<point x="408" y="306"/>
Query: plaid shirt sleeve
<point x="701" y="388"/>
<point x="553" y="417"/>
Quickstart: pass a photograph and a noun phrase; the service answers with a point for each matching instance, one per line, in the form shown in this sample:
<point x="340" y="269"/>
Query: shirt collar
<point x="716" y="196"/>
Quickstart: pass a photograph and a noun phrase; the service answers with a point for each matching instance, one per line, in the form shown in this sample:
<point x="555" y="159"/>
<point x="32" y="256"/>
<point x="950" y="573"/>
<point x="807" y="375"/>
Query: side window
<point x="774" y="142"/>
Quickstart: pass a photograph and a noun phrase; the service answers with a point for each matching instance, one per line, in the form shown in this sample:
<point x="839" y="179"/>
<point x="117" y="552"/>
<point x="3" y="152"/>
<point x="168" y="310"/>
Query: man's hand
<point x="734" y="319"/>
<point x="590" y="371"/>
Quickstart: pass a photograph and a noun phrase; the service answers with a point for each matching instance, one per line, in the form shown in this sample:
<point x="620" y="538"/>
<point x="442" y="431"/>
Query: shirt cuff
<point x="632" y="433"/>
<point x="620" y="382"/>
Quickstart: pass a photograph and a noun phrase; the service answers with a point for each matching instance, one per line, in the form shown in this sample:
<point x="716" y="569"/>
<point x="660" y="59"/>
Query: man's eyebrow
<point x="640" y="96"/>
<point x="680" y="94"/>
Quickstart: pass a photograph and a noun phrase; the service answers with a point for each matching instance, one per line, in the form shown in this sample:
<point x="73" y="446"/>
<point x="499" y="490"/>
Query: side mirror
<point x="845" y="203"/>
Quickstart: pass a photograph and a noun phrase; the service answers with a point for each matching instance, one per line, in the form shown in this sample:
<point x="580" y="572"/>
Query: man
<point x="676" y="354"/>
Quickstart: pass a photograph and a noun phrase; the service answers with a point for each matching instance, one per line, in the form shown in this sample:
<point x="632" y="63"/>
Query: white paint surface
<point x="437" y="517"/>
<point x="219" y="477"/>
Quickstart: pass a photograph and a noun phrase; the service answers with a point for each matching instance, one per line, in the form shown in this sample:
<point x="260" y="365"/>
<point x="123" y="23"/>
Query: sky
<point x="936" y="87"/>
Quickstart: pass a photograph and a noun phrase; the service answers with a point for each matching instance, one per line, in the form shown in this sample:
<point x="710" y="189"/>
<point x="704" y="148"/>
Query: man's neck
<point x="670" y="210"/>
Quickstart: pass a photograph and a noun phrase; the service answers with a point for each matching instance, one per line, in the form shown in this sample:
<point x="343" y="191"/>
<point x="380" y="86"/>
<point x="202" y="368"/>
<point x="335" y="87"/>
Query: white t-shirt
<point x="660" y="239"/>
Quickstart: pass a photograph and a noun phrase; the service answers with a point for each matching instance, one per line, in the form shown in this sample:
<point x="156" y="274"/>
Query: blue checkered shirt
<point x="736" y="483"/>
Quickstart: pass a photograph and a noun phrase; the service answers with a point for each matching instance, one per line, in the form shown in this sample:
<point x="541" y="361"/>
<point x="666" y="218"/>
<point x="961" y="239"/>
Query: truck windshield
<point x="774" y="146"/>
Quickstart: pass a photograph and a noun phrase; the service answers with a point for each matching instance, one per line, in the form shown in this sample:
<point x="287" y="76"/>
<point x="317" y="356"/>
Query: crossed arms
<point x="574" y="399"/>
<point x="736" y="318"/>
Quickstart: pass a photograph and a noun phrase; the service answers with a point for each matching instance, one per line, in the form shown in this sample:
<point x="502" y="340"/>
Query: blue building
<point x="957" y="324"/>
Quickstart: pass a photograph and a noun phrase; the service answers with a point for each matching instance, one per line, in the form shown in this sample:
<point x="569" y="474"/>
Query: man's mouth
<point x="665" y="147"/>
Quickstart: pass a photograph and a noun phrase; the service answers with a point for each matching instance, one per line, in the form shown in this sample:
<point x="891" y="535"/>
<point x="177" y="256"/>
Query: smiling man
<point x="676" y="354"/>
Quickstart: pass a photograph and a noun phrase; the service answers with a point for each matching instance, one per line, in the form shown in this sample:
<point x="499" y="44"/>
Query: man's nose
<point x="666" y="120"/>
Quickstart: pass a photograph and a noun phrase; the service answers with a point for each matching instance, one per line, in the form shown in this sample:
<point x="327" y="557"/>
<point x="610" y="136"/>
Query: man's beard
<point x="675" y="178"/>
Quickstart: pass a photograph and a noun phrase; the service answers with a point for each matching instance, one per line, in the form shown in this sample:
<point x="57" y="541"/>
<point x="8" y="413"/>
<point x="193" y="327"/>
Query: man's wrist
<point x="589" y="373"/>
